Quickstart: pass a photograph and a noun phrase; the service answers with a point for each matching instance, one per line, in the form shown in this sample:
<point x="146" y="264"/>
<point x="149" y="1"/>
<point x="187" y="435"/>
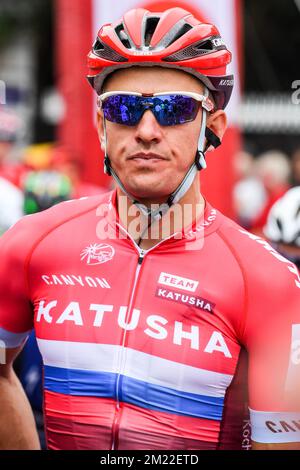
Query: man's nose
<point x="148" y="129"/>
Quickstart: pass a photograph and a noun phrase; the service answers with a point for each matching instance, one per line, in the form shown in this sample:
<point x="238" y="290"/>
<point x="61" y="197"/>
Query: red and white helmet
<point x="283" y="224"/>
<point x="172" y="39"/>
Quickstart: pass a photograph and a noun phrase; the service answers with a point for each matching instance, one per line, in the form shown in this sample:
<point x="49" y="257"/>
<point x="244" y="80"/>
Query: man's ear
<point x="217" y="122"/>
<point x="100" y="129"/>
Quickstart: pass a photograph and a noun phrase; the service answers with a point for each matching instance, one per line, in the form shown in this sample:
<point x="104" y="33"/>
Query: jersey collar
<point x="207" y="223"/>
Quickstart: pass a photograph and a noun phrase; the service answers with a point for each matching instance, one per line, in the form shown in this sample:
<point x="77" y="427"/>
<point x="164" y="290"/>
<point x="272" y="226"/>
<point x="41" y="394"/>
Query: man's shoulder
<point x="25" y="233"/>
<point x="71" y="209"/>
<point x="258" y="259"/>
<point x="64" y="211"/>
<point x="244" y="243"/>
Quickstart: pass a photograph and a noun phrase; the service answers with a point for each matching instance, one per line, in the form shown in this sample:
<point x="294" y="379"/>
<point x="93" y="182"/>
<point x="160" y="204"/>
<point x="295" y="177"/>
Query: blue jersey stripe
<point x="136" y="392"/>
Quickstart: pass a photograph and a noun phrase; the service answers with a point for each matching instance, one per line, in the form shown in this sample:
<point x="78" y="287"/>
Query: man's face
<point x="151" y="160"/>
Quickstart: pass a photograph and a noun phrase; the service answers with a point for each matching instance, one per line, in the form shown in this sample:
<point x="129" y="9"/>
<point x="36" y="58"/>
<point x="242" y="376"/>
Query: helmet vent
<point x="183" y="30"/>
<point x="195" y="50"/>
<point x="150" y="27"/>
<point x="98" y="46"/>
<point x="122" y="35"/>
<point x="205" y="46"/>
<point x="106" y="52"/>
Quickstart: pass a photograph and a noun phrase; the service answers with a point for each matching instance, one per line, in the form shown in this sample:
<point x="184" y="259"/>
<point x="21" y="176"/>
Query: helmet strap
<point x="107" y="164"/>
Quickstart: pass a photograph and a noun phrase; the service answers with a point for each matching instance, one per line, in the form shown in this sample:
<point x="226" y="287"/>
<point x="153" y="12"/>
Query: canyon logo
<point x="97" y="254"/>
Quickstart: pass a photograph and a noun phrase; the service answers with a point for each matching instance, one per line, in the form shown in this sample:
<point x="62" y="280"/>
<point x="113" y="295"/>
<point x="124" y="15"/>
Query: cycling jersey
<point x="141" y="349"/>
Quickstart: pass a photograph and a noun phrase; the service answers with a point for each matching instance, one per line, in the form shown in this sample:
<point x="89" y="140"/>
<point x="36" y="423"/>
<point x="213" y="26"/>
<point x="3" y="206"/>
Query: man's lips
<point x="146" y="156"/>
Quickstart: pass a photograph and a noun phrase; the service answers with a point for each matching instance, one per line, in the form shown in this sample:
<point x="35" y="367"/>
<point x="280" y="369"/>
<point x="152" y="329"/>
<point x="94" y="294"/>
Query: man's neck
<point x="179" y="217"/>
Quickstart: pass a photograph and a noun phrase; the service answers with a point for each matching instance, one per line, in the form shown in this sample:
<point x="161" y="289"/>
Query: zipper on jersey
<point x="118" y="411"/>
<point x="115" y="430"/>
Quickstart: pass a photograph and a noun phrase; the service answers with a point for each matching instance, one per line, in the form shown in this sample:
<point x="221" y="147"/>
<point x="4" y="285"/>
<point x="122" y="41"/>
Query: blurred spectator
<point x="11" y="198"/>
<point x="44" y="189"/>
<point x="11" y="204"/>
<point x="283" y="225"/>
<point x="55" y="157"/>
<point x="273" y="168"/>
<point x="296" y="167"/>
<point x="64" y="162"/>
<point x="249" y="194"/>
<point x="10" y="127"/>
<point x="37" y="157"/>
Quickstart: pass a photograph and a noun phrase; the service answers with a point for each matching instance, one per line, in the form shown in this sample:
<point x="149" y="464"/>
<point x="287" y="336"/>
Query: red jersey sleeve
<point x="271" y="334"/>
<point x="16" y="248"/>
<point x="16" y="319"/>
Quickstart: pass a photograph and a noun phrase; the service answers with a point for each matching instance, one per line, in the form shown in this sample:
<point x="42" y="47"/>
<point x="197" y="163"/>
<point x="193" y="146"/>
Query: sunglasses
<point x="169" y="108"/>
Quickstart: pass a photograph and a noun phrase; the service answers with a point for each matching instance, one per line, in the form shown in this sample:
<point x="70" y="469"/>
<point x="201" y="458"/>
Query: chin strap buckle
<point x="212" y="139"/>
<point x="200" y="160"/>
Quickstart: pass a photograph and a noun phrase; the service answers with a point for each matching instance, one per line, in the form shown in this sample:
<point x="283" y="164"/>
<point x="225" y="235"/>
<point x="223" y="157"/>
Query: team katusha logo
<point x="97" y="254"/>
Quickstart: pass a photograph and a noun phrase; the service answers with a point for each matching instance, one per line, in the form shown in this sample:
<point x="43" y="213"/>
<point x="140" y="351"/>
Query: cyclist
<point x="11" y="128"/>
<point x="11" y="198"/>
<point x="44" y="189"/>
<point x="11" y="202"/>
<point x="141" y="332"/>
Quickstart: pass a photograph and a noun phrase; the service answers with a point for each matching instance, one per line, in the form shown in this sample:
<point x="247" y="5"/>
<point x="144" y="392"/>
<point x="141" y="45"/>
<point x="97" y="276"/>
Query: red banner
<point x="74" y="37"/>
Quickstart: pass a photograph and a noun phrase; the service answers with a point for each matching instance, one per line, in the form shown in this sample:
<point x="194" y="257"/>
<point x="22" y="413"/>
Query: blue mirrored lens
<point x="122" y="109"/>
<point x="169" y="110"/>
<point x="175" y="109"/>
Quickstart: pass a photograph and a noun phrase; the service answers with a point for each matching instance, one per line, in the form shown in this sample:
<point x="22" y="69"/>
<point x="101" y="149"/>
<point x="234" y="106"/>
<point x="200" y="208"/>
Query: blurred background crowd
<point x="47" y="157"/>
